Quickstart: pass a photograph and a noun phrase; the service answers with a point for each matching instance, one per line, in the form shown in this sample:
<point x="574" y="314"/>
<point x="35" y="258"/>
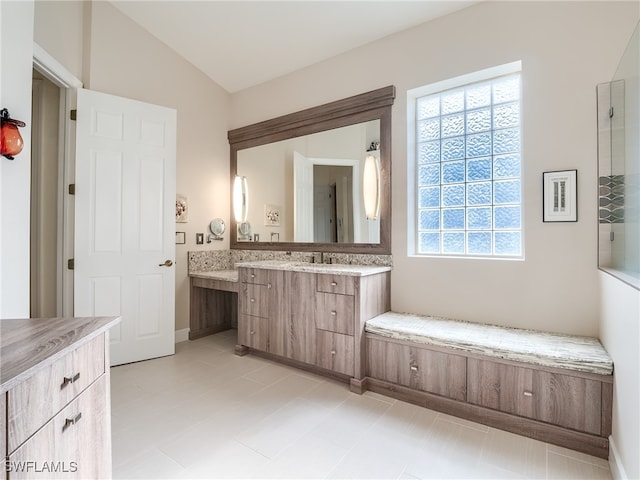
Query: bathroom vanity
<point x="312" y="315"/>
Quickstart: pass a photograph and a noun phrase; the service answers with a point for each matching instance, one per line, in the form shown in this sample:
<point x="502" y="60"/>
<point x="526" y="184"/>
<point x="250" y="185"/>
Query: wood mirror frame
<point x="374" y="105"/>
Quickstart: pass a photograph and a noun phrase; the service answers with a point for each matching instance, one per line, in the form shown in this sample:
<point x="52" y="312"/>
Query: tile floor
<point x="206" y="413"/>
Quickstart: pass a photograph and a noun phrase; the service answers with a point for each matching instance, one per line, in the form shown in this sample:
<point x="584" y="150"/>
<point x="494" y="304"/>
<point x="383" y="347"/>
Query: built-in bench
<point x="552" y="387"/>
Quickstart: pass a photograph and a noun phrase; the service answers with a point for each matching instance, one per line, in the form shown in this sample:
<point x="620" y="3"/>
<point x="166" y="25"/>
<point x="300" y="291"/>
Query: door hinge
<point x="73" y="114"/>
<point x="71" y="264"/>
<point x="72" y="189"/>
<point x="610" y="112"/>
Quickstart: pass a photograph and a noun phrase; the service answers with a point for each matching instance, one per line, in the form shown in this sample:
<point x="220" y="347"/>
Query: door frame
<point x="57" y="73"/>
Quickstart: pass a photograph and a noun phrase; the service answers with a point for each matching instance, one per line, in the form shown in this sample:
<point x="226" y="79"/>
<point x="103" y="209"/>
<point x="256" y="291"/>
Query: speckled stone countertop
<point x="333" y="268"/>
<point x="226" y="275"/>
<point x="584" y="354"/>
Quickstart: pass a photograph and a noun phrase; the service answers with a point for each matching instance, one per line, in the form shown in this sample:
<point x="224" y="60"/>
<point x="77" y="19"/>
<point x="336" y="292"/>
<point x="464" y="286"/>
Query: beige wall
<point x="555" y="288"/>
<point x="132" y="63"/>
<point x="16" y="59"/>
<point x="620" y="334"/>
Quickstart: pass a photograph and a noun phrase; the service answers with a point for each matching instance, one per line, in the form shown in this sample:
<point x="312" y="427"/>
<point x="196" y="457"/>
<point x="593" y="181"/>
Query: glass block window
<point x="468" y="169"/>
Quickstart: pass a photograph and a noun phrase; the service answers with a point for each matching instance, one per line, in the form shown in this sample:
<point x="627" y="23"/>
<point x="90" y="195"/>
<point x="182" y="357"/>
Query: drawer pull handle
<point x="71" y="421"/>
<point x="333" y="352"/>
<point x="70" y="379"/>
<point x="253" y="275"/>
<point x="252" y="332"/>
<point x="252" y="300"/>
<point x="413" y="368"/>
<point x="269" y="285"/>
<point x="527" y="393"/>
<point x="333" y="284"/>
<point x="333" y="313"/>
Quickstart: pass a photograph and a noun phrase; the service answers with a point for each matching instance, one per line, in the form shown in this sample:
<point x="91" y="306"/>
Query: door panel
<point x="125" y="224"/>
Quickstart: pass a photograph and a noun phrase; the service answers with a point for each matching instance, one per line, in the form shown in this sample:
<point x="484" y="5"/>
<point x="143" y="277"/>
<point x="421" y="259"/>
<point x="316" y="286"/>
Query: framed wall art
<point x="182" y="209"/>
<point x="560" y="196"/>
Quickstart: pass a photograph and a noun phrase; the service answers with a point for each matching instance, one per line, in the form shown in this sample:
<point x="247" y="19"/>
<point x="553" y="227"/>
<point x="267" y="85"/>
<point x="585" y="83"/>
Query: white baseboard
<point x="182" y="335"/>
<point x="617" y="469"/>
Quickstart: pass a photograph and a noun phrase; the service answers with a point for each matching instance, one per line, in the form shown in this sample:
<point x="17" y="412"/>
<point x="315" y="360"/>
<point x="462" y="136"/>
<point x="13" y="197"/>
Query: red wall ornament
<point x="11" y="142"/>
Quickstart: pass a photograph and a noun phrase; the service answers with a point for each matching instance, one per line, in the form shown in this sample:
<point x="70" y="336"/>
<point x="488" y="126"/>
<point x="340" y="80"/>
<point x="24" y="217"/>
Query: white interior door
<point x="303" y="198"/>
<point x="124" y="222"/>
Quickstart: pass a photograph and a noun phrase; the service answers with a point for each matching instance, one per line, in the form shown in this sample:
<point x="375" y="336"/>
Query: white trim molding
<point x="615" y="463"/>
<point x="182" y="335"/>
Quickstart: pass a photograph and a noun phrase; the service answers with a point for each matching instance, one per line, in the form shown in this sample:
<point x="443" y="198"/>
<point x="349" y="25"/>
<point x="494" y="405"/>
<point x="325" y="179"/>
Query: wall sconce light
<point x="240" y="199"/>
<point x="371" y="186"/>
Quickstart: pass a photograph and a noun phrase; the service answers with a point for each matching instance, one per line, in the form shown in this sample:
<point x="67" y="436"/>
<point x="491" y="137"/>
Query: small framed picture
<point x="182" y="209"/>
<point x="181" y="238"/>
<point x="560" y="196"/>
<point x="272" y="215"/>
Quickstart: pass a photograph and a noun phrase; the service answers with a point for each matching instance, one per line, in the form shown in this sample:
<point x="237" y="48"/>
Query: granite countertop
<point x="225" y="275"/>
<point x="330" y="268"/>
<point x="30" y="344"/>
<point x="585" y="354"/>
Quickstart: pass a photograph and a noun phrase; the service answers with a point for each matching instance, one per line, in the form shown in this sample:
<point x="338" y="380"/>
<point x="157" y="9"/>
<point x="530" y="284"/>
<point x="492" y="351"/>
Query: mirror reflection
<point x="309" y="188"/>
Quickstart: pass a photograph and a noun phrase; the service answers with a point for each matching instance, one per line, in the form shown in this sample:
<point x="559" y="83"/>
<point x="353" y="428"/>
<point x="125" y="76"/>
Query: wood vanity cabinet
<point x="320" y="321"/>
<point x="56" y="420"/>
<point x="422" y="369"/>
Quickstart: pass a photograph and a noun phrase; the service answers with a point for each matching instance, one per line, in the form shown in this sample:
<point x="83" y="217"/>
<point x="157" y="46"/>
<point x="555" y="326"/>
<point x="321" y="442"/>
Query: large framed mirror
<point x="305" y="174"/>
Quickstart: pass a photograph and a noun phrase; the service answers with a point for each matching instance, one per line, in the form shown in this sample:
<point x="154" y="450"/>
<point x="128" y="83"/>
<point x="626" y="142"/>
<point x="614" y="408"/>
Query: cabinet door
<point x="73" y="444"/>
<point x="501" y="387"/>
<point x="436" y="372"/>
<point x="301" y="335"/>
<point x="335" y="313"/>
<point x="421" y="369"/>
<point x="571" y="402"/>
<point x="335" y="352"/>
<point x="253" y="331"/>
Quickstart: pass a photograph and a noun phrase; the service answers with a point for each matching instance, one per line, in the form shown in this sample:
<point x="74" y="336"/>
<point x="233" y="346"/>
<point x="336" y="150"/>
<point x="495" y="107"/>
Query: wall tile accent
<point x="611" y="190"/>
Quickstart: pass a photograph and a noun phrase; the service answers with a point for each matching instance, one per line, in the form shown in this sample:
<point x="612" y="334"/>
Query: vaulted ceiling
<point x="239" y="44"/>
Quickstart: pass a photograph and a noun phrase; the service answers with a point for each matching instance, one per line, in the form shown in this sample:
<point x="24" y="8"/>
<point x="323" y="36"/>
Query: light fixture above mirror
<point x="359" y="113"/>
<point x="240" y="199"/>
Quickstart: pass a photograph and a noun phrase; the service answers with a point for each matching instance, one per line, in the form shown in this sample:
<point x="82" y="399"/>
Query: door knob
<point x="167" y="263"/>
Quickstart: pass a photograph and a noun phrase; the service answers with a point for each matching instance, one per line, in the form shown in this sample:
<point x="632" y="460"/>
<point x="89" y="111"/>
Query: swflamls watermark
<point x="31" y="466"/>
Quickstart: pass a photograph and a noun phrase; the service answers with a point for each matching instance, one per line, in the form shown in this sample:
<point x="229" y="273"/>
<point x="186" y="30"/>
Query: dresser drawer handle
<point x="253" y="275"/>
<point x="252" y="332"/>
<point x="70" y="379"/>
<point x="269" y="285"/>
<point x="333" y="352"/>
<point x="527" y="393"/>
<point x="413" y="368"/>
<point x="252" y="300"/>
<point x="71" y="421"/>
<point x="334" y="284"/>
<point x="333" y="313"/>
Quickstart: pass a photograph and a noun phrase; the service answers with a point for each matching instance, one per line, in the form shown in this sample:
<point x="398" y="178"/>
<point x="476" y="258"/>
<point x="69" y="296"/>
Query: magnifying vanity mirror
<point x="304" y="175"/>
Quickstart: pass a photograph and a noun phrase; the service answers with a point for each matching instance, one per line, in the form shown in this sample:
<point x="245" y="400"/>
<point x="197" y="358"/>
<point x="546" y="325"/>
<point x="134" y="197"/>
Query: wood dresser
<point x="55" y="412"/>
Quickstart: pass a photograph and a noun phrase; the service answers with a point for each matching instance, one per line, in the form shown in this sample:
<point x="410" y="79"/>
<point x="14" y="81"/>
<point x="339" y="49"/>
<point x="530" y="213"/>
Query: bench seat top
<point x="584" y="354"/>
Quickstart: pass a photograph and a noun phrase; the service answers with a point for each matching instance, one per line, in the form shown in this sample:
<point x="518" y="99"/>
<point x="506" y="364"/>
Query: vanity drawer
<point x="36" y="400"/>
<point x="343" y="284"/>
<point x="335" y="351"/>
<point x="254" y="299"/>
<point x="76" y="441"/>
<point x="258" y="276"/>
<point x="335" y="312"/>
<point x="565" y="400"/>
<point x="253" y="331"/>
